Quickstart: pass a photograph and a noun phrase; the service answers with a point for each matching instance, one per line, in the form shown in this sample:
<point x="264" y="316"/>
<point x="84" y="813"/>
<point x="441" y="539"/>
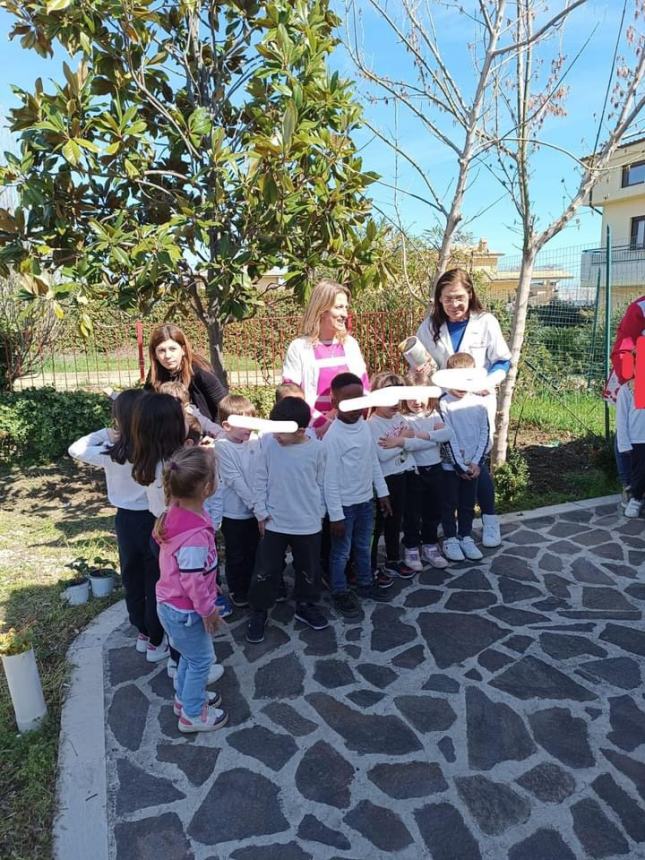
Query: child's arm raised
<point x="90" y="449"/>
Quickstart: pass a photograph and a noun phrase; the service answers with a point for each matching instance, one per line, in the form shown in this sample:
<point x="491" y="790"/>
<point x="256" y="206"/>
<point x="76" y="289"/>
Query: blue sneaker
<point x="223" y="605"/>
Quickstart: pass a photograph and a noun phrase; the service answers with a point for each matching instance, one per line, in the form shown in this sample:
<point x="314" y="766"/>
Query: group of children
<point x="176" y="478"/>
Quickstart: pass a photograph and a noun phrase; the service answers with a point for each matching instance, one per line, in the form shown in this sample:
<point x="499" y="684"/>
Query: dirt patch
<point x="554" y="461"/>
<point x="62" y="488"/>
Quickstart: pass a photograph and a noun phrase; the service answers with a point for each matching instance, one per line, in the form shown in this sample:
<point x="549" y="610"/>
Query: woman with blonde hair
<point x="324" y="349"/>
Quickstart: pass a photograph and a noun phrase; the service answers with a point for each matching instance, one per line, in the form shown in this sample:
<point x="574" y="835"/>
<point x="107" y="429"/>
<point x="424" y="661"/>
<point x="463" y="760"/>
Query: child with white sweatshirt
<point x="630" y="437"/>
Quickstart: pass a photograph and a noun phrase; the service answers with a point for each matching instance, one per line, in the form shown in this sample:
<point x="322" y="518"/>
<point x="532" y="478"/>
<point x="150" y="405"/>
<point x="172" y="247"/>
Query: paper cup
<point x="414" y="352"/>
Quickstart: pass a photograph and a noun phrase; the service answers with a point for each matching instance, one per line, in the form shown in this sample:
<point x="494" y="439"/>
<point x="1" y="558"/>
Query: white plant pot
<point x="25" y="689"/>
<point x="102" y="585"/>
<point x="77" y="594"/>
<point x="414" y="352"/>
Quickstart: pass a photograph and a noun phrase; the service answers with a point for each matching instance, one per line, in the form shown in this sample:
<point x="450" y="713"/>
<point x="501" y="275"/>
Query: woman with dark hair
<point x="458" y="323"/>
<point x="172" y="359"/>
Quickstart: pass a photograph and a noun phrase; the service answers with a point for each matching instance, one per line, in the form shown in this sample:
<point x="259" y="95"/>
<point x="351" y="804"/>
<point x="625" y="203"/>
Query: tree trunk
<point x="518" y="330"/>
<point x="216" y="345"/>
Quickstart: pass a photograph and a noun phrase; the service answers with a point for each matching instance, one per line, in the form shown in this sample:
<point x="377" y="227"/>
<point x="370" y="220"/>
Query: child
<point x="186" y="590"/>
<point x="112" y="450"/>
<point x="467" y="417"/>
<point x="424" y="487"/>
<point x="630" y="438"/>
<point x="180" y="391"/>
<point x="232" y="505"/>
<point x="393" y="441"/>
<point x="352" y="471"/>
<point x="289" y="507"/>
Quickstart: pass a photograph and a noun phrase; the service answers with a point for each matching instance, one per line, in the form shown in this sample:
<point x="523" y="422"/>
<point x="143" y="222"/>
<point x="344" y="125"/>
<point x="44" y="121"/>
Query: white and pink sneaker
<point x="214" y="701"/>
<point x="155" y="653"/>
<point x="210" y="720"/>
<point x="141" y="643"/>
<point x="430" y="552"/>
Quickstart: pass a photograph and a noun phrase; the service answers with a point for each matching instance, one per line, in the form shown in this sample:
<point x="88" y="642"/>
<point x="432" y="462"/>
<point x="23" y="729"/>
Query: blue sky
<point x="553" y="173"/>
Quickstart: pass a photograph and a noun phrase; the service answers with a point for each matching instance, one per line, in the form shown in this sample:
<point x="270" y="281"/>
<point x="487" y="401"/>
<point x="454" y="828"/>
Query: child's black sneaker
<point x="371" y="592"/>
<point x="311" y="616"/>
<point x="382" y="580"/>
<point x="346" y="604"/>
<point x="255" y="627"/>
<point x="238" y="600"/>
<point x="398" y="569"/>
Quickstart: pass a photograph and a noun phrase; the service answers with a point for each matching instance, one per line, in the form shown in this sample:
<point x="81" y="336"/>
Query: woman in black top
<point x="172" y="359"/>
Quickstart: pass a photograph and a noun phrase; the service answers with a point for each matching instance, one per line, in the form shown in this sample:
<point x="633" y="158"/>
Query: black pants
<point x="638" y="470"/>
<point x="391" y="526"/>
<point x="458" y="495"/>
<point x="422" y="515"/>
<point x="139" y="570"/>
<point x="270" y="563"/>
<point x="242" y="538"/>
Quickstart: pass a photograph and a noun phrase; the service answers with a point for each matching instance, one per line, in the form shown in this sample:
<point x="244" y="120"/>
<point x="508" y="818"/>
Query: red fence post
<point x="138" y="326"/>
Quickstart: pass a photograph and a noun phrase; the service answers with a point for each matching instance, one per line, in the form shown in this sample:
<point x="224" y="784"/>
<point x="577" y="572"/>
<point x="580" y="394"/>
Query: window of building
<point x="638" y="233"/>
<point x="634" y="174"/>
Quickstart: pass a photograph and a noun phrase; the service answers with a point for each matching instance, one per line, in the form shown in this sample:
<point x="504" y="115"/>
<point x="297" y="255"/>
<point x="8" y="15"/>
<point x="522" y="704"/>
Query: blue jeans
<point x="359" y="525"/>
<point x="189" y="636"/>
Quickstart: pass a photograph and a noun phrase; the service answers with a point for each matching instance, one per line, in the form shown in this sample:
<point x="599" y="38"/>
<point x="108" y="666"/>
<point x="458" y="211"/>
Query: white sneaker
<point x="452" y="550"/>
<point x="214" y="701"/>
<point x="141" y="643"/>
<point x="209" y="720"/>
<point x="412" y="559"/>
<point x="469" y="549"/>
<point x="633" y="508"/>
<point x="171" y="667"/>
<point x="430" y="552"/>
<point x="155" y="653"/>
<point x="214" y="673"/>
<point x="491" y="535"/>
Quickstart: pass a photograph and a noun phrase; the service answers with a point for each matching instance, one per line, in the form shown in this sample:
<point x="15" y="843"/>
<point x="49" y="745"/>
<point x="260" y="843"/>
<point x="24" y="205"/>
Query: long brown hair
<point x="158" y="430"/>
<point x="158" y="373"/>
<point x="451" y="278"/>
<point x="122" y="414"/>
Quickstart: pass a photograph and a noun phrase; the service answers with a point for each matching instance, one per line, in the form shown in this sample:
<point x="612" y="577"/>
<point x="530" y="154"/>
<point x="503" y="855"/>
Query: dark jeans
<point x="359" y="525"/>
<point x="242" y="538"/>
<point x="485" y="490"/>
<point x="624" y="465"/>
<point x="638" y="470"/>
<point x="391" y="526"/>
<point x="422" y="514"/>
<point x="154" y="546"/>
<point x="270" y="563"/>
<point x="460" y="495"/>
<point x="139" y="570"/>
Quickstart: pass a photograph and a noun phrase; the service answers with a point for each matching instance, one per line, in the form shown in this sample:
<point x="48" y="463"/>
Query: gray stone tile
<point x="445" y="834"/>
<point x="426" y="713"/>
<point x="126" y="664"/>
<point x="282" y="678"/>
<point x="495" y="732"/>
<point x="563" y="736"/>
<point x="621" y="672"/>
<point x="127" y="716"/>
<point x="380" y="826"/>
<point x="544" y="844"/>
<point x="282" y="850"/>
<point x="627" y="723"/>
<point x="333" y="673"/>
<point x="548" y="782"/>
<point x="325" y="776"/>
<point x="196" y="762"/>
<point x="475" y="635"/>
<point x="408" y="780"/>
<point x="271" y="748"/>
<point x="378" y="676"/>
<point x="598" y="835"/>
<point x="388" y="631"/>
<point x="494" y="806"/>
<point x="312" y="830"/>
<point x="628" y="810"/>
<point x="532" y="678"/>
<point x="289" y="719"/>
<point x="152" y="838"/>
<point x="139" y="789"/>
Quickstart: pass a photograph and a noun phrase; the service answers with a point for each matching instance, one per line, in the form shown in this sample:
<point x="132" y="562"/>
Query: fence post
<point x="138" y="326"/>
<point x="607" y="322"/>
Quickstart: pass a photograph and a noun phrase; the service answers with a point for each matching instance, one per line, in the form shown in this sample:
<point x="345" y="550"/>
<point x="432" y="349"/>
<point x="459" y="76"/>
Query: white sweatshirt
<point x="235" y="474"/>
<point x="122" y="490"/>
<point x="211" y="427"/>
<point x="394" y="461"/>
<point x="429" y="451"/>
<point x="155" y="492"/>
<point x="630" y="421"/>
<point x="288" y="487"/>
<point x="352" y="467"/>
<point x="468" y="419"/>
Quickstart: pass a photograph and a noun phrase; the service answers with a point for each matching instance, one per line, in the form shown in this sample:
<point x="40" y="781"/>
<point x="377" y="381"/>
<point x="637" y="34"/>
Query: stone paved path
<point x="495" y="711"/>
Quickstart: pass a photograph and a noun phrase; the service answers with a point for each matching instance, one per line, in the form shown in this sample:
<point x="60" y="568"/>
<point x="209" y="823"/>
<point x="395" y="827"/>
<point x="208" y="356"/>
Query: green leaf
<point x="88" y="144"/>
<point x="72" y="152"/>
<point x="289" y="122"/>
<point x="57" y="5"/>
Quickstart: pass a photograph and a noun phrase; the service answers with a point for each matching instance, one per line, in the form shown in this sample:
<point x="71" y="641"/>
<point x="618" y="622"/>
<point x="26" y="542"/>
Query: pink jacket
<point x="188" y="562"/>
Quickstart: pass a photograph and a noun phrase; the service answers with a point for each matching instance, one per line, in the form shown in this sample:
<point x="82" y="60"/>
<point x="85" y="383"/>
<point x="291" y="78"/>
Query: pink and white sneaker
<point x="141" y="643"/>
<point x="155" y="653"/>
<point x="214" y="701"/>
<point x="210" y="720"/>
<point x="430" y="552"/>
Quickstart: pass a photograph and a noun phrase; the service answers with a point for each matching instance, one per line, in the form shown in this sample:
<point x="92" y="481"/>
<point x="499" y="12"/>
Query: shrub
<point x="511" y="477"/>
<point x="261" y="396"/>
<point x="38" y="425"/>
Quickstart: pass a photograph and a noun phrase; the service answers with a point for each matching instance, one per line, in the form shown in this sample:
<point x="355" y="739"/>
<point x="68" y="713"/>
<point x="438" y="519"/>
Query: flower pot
<point x="77" y="593"/>
<point x="102" y="582"/>
<point x="26" y="692"/>
<point x="414" y="352"/>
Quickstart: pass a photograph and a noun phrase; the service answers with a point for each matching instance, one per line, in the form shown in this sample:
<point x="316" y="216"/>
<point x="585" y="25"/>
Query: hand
<point x="212" y="622"/>
<point x="386" y="506"/>
<point x="207" y="442"/>
<point x="337" y="529"/>
<point x="439" y="425"/>
<point x="391" y="441"/>
<point x="483" y="393"/>
<point x="262" y="524"/>
<point x="420" y="373"/>
<point x="407" y="432"/>
<point x="465" y="476"/>
<point x="320" y="431"/>
<point x="474" y="470"/>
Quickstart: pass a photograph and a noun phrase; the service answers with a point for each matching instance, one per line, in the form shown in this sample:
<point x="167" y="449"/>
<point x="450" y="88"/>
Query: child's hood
<point x="181" y="525"/>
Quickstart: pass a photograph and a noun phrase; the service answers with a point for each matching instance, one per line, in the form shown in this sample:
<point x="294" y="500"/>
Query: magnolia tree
<point x="190" y="147"/>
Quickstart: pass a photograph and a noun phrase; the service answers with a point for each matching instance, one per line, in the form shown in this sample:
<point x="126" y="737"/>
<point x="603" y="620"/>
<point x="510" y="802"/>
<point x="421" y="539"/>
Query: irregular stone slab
<point x="319" y="643"/>
<point x="324" y="776"/>
<point x="138" y="789"/>
<point x="197" y="763"/>
<point x="442" y="684"/>
<point x="612" y="551"/>
<point x="626" y="808"/>
<point x="354" y="651"/>
<point x="594" y="713"/>
<point x="562" y="646"/>
<point x="445" y="834"/>
<point x="126" y="664"/>
<point x="494" y="806"/>
<point x="432" y="576"/>
<point x="312" y="830"/>
<point x="271" y="748"/>
<point x="289" y="719"/>
<point x="379" y="676"/>
<point x="526" y="551"/>
<point x="586" y="571"/>
<point x="592" y="538"/>
<point x="604" y="598"/>
<point x="447" y="749"/>
<point x="426" y="713"/>
<point x="494" y="660"/>
<point x="275" y="637"/>
<point x="603" y="615"/>
<point x="423" y="597"/>
<point x="550" y="604"/>
<point x="513" y="591"/>
<point x="542" y="845"/>
<point x="475" y="634"/>
<point x="582" y="627"/>
<point x="333" y="673"/>
<point x="495" y="733"/>
<point x="620" y="570"/>
<point x="380" y="826"/>
<point x="557" y="585"/>
<point x="515" y="568"/>
<point x="230" y="792"/>
<point x="517" y="617"/>
<point x="539" y="522"/>
<point x="365" y="733"/>
<point x="526" y="535"/>
<point x="563" y="736"/>
<point x="470" y="601"/>
<point x="625" y="637"/>
<point x="283" y="850"/>
<point x="637" y="591"/>
<point x="412" y="779"/>
<point x="633" y="770"/>
<point x="388" y="631"/>
<point x="280" y="679"/>
<point x="474" y="675"/>
<point x="548" y="782"/>
<point x="550" y="562"/>
<point x="168" y="723"/>
<point x="152" y="838"/>
<point x="352" y="635"/>
<point x="530" y="677"/>
<point x="564" y="547"/>
<point x="597" y="834"/>
<point x="472" y="580"/>
<point x="518" y="643"/>
<point x="575" y="516"/>
<point x="620" y="671"/>
<point x="236" y="706"/>
<point x="565" y="529"/>
<point x="127" y="716"/>
<point x="411" y="658"/>
<point x="365" y="698"/>
<point x="627" y="723"/>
